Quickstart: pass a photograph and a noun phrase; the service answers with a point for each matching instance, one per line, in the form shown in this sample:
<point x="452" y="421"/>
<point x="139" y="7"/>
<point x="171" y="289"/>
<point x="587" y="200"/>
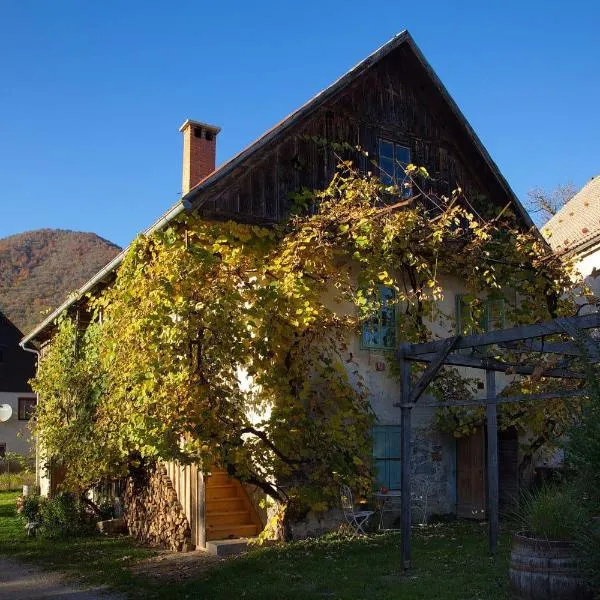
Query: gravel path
<point x="28" y="582"/>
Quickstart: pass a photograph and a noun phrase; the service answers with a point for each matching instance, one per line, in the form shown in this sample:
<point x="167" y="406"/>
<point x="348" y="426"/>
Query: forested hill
<point x="38" y="270"/>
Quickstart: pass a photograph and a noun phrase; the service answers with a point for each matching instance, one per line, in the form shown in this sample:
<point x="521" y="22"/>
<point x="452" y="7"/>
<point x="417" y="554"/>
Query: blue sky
<point x="93" y="93"/>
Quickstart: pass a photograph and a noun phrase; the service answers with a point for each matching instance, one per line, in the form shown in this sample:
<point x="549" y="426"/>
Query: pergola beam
<point x="510" y="399"/>
<point x="512" y="334"/>
<point x="590" y="346"/>
<point x="492" y="364"/>
<point x="432" y="369"/>
<point x="565" y="348"/>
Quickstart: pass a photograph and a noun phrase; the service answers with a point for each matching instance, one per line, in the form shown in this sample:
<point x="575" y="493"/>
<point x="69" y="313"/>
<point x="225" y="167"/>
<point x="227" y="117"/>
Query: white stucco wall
<point x="15" y="433"/>
<point x="434" y="452"/>
<point x="588" y="264"/>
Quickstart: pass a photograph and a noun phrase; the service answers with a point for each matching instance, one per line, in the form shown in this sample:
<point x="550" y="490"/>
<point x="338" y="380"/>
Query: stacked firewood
<point x="153" y="512"/>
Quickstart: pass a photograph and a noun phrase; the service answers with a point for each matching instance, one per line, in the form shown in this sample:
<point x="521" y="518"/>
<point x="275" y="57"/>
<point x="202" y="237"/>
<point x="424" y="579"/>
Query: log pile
<point x="153" y="512"/>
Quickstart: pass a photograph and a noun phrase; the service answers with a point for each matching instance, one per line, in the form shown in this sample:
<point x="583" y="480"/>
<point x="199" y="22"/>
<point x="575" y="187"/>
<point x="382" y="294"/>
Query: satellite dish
<point x="5" y="412"/>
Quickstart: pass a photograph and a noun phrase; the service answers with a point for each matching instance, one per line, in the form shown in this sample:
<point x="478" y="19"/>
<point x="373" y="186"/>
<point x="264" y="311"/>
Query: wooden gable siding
<point x="393" y="100"/>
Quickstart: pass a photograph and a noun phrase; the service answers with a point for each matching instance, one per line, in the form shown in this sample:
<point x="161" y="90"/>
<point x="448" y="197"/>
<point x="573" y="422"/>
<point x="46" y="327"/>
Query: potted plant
<point x="544" y="564"/>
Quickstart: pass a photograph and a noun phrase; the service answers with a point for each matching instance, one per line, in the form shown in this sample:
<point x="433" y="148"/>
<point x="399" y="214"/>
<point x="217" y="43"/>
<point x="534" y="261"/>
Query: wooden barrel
<point x="544" y="570"/>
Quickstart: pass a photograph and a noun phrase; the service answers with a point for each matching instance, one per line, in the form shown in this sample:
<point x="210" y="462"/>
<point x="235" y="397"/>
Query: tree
<point x="546" y="203"/>
<point x="227" y="344"/>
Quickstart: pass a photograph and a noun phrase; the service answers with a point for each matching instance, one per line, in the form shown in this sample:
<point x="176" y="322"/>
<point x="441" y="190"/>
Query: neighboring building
<point x="575" y="231"/>
<point x="16" y="368"/>
<point x="396" y="109"/>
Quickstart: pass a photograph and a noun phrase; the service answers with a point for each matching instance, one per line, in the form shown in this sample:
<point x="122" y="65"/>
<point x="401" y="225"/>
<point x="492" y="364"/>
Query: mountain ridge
<point x="39" y="268"/>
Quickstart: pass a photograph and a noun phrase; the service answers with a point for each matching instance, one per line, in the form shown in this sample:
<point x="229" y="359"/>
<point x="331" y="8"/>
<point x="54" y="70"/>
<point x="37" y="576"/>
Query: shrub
<point x="588" y="545"/>
<point x="65" y="516"/>
<point x="552" y="512"/>
<point x="29" y="507"/>
<point x="583" y="455"/>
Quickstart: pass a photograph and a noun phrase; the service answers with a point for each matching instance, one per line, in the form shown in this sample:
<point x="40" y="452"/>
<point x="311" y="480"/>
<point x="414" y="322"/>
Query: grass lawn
<point x="450" y="563"/>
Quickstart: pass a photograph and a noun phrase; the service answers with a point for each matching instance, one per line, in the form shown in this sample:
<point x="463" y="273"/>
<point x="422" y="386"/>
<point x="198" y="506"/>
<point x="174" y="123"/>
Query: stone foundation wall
<point x="153" y="513"/>
<point x="434" y="471"/>
<point x="315" y="524"/>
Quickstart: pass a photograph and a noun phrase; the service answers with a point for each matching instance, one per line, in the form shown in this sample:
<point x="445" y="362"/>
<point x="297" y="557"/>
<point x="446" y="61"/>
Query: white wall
<point x="588" y="264"/>
<point x="15" y="433"/>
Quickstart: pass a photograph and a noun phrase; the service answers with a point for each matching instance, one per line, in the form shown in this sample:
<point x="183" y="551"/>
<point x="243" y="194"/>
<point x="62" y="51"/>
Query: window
<point x="393" y="160"/>
<point x="492" y="315"/>
<point x="26" y="408"/>
<point x="379" y="331"/>
<point x="386" y="452"/>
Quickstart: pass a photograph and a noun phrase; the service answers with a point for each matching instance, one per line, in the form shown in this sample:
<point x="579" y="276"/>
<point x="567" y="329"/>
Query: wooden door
<point x="470" y="476"/>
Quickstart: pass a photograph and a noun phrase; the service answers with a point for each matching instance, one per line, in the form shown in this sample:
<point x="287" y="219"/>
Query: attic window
<point x="209" y="136"/>
<point x="393" y="160"/>
<point x="379" y="331"/>
<point x="198" y="132"/>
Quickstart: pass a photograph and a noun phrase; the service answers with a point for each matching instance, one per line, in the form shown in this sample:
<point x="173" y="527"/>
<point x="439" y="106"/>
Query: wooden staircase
<point x="229" y="512"/>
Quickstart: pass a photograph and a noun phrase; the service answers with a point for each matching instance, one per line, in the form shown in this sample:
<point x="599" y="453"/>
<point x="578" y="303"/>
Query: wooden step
<point x="216" y="492"/>
<point x="225" y="504"/>
<point x="225" y="532"/>
<point x="219" y="478"/>
<point x="235" y="517"/>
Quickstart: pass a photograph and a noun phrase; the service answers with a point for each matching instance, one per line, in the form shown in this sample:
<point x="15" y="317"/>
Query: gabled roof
<point x="577" y="224"/>
<point x="200" y="193"/>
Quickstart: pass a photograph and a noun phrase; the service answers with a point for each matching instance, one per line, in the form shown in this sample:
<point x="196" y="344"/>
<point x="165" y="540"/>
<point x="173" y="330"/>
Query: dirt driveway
<point x="28" y="582"/>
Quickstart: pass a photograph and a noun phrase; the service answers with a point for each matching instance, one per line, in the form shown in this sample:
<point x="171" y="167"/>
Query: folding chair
<point x="356" y="519"/>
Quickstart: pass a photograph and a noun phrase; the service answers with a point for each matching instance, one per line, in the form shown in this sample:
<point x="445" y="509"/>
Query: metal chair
<point x="355" y="519"/>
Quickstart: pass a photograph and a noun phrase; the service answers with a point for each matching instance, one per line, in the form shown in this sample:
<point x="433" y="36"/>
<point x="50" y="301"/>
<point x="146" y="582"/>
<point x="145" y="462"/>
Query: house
<point x="396" y="109"/>
<point x="17" y="401"/>
<point x="575" y="232"/>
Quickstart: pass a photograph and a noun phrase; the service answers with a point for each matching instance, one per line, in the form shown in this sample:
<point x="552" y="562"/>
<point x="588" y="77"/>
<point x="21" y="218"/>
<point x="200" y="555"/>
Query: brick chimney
<point x="199" y="151"/>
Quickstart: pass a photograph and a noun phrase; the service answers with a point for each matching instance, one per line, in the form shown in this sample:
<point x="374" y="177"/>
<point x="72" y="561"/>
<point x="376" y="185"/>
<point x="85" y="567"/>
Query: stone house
<point x="396" y="109"/>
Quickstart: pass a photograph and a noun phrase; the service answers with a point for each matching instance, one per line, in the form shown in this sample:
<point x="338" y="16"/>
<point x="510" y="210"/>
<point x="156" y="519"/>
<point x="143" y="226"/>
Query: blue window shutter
<point x="387" y="451"/>
<point x="382" y="475"/>
<point x="395" y="474"/>
<point x="394" y="442"/>
<point x="379" y="442"/>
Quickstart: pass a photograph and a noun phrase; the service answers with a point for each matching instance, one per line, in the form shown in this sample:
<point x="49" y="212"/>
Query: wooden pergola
<point x="527" y="338"/>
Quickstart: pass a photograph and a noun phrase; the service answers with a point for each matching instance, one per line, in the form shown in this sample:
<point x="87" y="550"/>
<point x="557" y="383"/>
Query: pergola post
<point x="492" y="460"/>
<point x="440" y="352"/>
<point x="406" y="414"/>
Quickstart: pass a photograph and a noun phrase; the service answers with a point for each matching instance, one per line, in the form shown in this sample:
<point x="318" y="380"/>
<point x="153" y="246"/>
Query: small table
<point x="387" y="503"/>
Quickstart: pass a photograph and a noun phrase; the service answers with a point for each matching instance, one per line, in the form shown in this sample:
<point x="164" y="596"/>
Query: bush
<point x="552" y="512"/>
<point x="29" y="507"/>
<point x="65" y="516"/>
